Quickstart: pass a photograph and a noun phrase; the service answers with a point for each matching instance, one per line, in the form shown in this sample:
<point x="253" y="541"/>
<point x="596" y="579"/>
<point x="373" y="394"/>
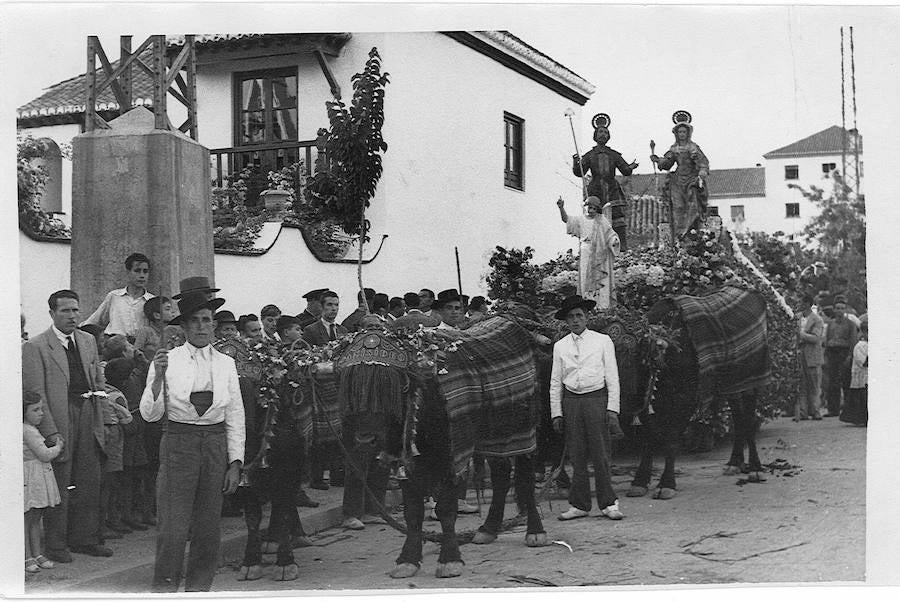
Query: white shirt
<point x="583" y="364"/>
<point x="120" y="313"/>
<point x="191" y="369"/>
<point x="63" y="337"/>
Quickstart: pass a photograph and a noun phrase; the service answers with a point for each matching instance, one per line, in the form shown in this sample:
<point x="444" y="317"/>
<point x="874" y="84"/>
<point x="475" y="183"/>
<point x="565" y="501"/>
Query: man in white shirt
<point x="194" y="388"/>
<point x="584" y="393"/>
<point x="122" y="310"/>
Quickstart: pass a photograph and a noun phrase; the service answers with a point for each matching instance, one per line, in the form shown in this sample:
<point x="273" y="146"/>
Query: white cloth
<point x="190" y="370"/>
<point x="583" y="364"/>
<point x="597" y="251"/>
<point x="120" y="313"/>
<point x="40" y="483"/>
<point x="859" y="369"/>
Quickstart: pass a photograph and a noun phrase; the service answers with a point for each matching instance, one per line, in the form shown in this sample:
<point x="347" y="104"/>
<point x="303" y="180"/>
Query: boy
<point x="250" y="328"/>
<point x="269" y="316"/>
<point x="226" y="325"/>
<point x="122" y="311"/>
<point x="159" y="311"/>
<point x="288" y="329"/>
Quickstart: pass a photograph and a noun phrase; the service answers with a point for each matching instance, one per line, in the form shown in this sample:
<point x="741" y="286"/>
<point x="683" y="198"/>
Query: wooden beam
<point x="99" y="121"/>
<point x="179" y="61"/>
<point x="123" y="66"/>
<point x="329" y="75"/>
<point x="148" y="70"/>
<point x="113" y="84"/>
<point x="179" y="97"/>
<point x="191" y="85"/>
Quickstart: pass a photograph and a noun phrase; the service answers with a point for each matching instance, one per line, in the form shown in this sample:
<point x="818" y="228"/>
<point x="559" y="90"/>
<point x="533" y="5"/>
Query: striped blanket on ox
<point x="728" y="331"/>
<point x="490" y="392"/>
<point x="319" y="413"/>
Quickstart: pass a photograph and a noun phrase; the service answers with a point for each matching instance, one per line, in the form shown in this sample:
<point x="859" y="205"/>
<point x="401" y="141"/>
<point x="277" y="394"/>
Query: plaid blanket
<point x="728" y="331"/>
<point x="324" y="424"/>
<point x="490" y="392"/>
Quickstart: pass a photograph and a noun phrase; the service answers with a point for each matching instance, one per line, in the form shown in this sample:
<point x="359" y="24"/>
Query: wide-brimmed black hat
<point x="192" y="302"/>
<point x="194" y="284"/>
<point x="478" y="301"/>
<point x="444" y="297"/>
<point x="224" y="317"/>
<point x="574" y="302"/>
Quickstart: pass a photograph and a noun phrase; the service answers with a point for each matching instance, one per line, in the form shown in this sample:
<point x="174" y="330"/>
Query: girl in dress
<point x="40" y="484"/>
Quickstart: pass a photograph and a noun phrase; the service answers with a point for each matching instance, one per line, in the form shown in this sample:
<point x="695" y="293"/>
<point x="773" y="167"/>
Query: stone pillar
<point x="138" y="189"/>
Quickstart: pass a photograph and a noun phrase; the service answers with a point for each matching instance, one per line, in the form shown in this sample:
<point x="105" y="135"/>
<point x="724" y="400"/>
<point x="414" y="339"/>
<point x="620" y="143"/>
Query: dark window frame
<point x="791" y="210"/>
<point x="268" y="110"/>
<point x="743" y="213"/>
<point x="512" y="155"/>
<point x="791" y="172"/>
<point x="827" y="168"/>
<point x="713" y="210"/>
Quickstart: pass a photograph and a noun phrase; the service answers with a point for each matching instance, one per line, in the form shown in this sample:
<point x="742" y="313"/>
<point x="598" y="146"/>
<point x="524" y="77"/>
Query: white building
<point x="759" y="199"/>
<point x="478" y="153"/>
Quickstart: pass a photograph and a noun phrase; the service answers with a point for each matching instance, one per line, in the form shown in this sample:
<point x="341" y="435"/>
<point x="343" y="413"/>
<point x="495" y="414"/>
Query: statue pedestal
<point x="136" y="189"/>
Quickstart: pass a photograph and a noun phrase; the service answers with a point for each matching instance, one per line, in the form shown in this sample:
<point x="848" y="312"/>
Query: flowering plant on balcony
<point x="31" y="179"/>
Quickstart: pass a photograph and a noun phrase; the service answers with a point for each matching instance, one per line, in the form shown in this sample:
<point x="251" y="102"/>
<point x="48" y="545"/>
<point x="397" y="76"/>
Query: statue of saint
<point x="598" y="249"/>
<point x="687" y="189"/>
<point x="602" y="162"/>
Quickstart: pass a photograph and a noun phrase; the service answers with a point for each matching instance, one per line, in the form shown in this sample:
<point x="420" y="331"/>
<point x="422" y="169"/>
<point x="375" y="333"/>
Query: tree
<point x="348" y="166"/>
<point x="840" y="232"/>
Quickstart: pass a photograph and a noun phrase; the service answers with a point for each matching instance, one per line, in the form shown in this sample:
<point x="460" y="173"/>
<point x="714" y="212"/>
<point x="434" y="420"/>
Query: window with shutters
<point x="513" y="144"/>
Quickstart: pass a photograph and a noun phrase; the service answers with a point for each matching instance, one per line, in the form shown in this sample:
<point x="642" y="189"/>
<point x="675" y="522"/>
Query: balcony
<point x="226" y="163"/>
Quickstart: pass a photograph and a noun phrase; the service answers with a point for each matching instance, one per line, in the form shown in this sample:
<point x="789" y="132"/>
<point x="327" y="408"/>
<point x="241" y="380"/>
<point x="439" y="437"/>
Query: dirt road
<point x="805" y="523"/>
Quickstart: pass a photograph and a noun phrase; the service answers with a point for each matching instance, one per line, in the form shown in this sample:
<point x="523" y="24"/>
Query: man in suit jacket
<point x="325" y="329"/>
<point x="414" y="316"/>
<point x="810" y="338"/>
<point x="62" y="365"/>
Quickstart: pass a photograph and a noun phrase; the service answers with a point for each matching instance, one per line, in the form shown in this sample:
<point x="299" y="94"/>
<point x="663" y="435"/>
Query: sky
<point x="755" y="78"/>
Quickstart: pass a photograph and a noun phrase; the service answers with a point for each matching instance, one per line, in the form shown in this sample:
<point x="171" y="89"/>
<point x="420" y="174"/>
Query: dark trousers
<point x="586" y="439"/>
<point x="111" y="509"/>
<point x="192" y="464"/>
<point x="76" y="520"/>
<point x="138" y="492"/>
<point x="365" y="435"/>
<point x="834" y="364"/>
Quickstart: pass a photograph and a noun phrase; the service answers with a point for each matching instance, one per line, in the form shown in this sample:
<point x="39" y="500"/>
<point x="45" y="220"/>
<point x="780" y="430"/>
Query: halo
<point x="601" y="120"/>
<point x="680" y="117"/>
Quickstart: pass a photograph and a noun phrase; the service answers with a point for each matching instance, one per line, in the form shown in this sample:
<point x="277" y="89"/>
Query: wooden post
<point x="159" y="82"/>
<point x="125" y="80"/>
<point x="458" y="274"/>
<point x="192" y="85"/>
<point x="90" y="106"/>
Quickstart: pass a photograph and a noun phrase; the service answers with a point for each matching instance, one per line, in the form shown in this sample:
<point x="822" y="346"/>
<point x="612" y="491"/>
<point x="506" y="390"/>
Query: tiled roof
<point x="827" y="142"/>
<point x="66" y="99"/>
<point x="723" y="183"/>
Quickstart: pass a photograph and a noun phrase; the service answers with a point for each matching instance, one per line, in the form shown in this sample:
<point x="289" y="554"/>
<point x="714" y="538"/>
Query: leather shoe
<point x="93" y="550"/>
<point x="464" y="507"/>
<point x="303" y="499"/>
<point x="58" y="556"/>
<point x="320" y="485"/>
<point x="612" y="511"/>
<point x="351" y="522"/>
<point x="573" y="513"/>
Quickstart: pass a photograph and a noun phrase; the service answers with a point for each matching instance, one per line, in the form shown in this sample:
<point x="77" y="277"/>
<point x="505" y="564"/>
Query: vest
<point x="78" y="383"/>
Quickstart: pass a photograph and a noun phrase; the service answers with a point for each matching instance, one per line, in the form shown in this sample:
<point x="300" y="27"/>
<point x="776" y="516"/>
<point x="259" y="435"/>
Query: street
<point x="804" y="523"/>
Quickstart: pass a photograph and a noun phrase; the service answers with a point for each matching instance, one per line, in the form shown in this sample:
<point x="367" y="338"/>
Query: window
<point x="791" y="172"/>
<point x="513" y="144"/>
<point x="713" y="210"/>
<point x="827" y="168"/>
<point x="737" y="213"/>
<point x="266" y="107"/>
<point x="792" y="209"/>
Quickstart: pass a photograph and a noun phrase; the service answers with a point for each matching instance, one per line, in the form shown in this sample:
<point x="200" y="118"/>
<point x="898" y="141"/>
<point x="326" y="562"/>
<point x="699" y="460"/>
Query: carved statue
<point x="602" y="162"/>
<point x="687" y="190"/>
<point x="597" y="251"/>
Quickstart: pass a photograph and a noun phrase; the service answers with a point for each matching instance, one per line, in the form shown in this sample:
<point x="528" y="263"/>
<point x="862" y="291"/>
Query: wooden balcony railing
<point x="262" y="158"/>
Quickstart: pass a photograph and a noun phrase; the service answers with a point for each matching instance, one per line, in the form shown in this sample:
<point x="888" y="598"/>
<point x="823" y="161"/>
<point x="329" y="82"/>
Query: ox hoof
<point x="731" y="470"/>
<point x="664" y="493"/>
<point x="404" y="570"/>
<point x="636" y="491"/>
<point x="536" y="540"/>
<point x="270" y="547"/>
<point x="482" y="537"/>
<point x="286" y="573"/>
<point x="249" y="573"/>
<point x="448" y="569"/>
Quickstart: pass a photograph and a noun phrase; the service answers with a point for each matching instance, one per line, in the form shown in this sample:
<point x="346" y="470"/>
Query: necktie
<point x="331" y="335"/>
<point x="71" y="347"/>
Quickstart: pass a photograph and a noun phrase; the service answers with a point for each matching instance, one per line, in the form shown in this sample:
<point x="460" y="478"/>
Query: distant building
<point x="758" y="198"/>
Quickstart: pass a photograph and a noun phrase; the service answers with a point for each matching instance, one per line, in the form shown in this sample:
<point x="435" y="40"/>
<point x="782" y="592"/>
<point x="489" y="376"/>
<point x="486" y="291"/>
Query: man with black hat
<point x="196" y="284"/>
<point x="226" y="325"/>
<point x="194" y="389"/>
<point x="584" y="395"/>
<point x="448" y="307"/>
<point x="313" y="307"/>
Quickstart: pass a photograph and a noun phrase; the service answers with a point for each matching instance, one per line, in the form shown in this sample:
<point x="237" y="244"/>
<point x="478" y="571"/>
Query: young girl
<point x="40" y="484"/>
<point x="856" y="408"/>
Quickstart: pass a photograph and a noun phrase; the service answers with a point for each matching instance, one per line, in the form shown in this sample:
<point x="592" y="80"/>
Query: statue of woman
<point x="598" y="249"/>
<point x="687" y="185"/>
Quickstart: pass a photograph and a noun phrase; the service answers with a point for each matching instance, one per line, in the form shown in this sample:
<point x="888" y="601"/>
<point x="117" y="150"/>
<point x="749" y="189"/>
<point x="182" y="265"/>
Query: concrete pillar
<point x="138" y="189"/>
